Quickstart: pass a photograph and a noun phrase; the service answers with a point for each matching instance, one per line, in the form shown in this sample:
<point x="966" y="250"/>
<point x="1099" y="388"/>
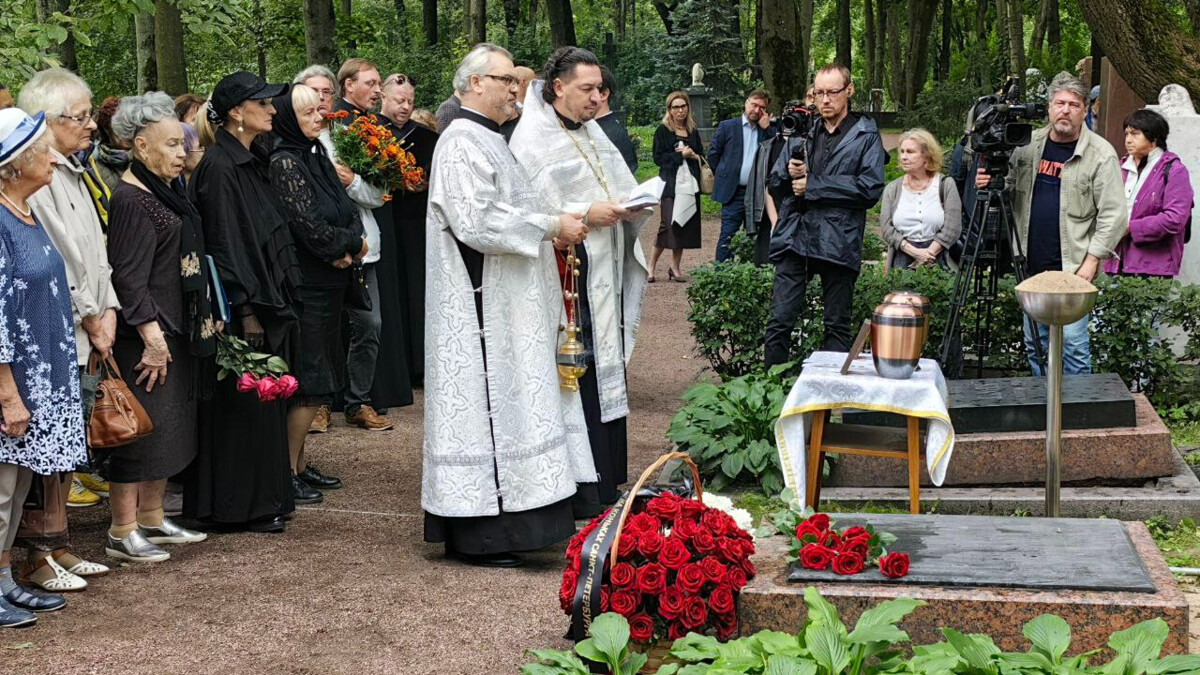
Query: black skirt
<point x="392" y="386"/>
<point x="321" y="361"/>
<point x="172" y="407"/>
<point x="672" y="236"/>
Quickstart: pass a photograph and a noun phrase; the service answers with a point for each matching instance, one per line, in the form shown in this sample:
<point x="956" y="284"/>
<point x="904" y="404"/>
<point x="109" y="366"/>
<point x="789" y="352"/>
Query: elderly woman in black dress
<point x="676" y="144"/>
<point x="241" y="477"/>
<point x="329" y="236"/>
<point x="156" y="251"/>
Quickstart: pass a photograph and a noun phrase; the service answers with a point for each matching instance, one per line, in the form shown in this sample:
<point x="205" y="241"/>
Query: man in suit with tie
<point x="731" y="156"/>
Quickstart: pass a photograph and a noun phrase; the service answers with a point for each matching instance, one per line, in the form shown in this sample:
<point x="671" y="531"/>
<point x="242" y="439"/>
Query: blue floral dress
<point x="37" y="341"/>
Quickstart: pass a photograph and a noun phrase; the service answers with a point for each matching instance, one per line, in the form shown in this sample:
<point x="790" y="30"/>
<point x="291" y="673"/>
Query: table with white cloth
<point x="822" y="388"/>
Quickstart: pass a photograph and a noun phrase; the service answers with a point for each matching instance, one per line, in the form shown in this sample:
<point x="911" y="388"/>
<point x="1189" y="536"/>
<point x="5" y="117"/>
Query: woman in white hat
<point x="41" y="419"/>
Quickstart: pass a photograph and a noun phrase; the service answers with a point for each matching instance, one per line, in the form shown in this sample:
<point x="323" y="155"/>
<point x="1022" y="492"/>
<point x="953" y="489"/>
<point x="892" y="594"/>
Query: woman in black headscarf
<point x="329" y="236"/>
<point x="241" y="474"/>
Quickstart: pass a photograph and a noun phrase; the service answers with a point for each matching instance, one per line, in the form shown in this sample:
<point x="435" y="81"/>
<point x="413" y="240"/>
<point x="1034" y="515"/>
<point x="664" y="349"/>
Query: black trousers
<point x="792" y="275"/>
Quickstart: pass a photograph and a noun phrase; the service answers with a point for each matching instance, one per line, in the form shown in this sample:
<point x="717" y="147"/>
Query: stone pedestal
<point x="701" y="102"/>
<point x="1176" y="106"/>
<point x="770" y="602"/>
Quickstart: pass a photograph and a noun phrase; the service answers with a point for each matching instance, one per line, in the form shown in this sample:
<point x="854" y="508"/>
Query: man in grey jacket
<point x="820" y="227"/>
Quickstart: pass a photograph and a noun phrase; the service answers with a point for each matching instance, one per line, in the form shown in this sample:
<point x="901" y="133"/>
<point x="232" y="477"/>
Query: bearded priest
<point x="577" y="169"/>
<point x="499" y="470"/>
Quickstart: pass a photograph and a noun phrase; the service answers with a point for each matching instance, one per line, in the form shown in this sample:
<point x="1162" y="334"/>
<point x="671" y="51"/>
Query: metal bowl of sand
<point x="1056" y="298"/>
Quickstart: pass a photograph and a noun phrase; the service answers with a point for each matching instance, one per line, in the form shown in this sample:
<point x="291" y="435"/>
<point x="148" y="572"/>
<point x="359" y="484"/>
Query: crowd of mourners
<point x="137" y="234"/>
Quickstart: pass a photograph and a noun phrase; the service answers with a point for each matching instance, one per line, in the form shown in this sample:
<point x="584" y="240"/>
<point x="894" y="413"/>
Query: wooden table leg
<point x="914" y="464"/>
<point x="816" y="458"/>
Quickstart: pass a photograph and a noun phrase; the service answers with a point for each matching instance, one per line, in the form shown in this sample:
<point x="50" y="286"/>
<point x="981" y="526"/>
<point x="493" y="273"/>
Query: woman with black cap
<point x="329" y="237"/>
<point x="241" y="476"/>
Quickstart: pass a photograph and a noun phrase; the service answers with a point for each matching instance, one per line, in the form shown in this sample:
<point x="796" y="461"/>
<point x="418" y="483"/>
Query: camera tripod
<point x="990" y="246"/>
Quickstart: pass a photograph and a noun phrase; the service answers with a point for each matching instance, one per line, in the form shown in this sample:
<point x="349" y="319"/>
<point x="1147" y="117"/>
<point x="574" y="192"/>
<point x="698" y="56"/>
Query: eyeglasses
<point x="81" y="120"/>
<point x="325" y="93"/>
<point x="819" y="94"/>
<point x="397" y="79"/>
<point x="506" y="80"/>
<point x="681" y="106"/>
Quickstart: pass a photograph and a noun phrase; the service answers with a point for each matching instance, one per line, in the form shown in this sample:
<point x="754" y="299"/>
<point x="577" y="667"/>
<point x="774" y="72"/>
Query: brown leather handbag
<point x="117" y="417"/>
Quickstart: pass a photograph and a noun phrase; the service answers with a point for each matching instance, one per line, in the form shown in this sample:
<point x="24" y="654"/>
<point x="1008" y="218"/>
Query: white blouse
<point x="919" y="215"/>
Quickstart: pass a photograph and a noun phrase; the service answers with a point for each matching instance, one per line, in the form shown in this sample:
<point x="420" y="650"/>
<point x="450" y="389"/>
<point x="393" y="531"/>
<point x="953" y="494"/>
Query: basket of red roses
<point x="666" y="562"/>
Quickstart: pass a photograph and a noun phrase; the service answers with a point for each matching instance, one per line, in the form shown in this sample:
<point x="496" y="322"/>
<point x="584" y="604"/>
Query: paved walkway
<point x="351" y="587"/>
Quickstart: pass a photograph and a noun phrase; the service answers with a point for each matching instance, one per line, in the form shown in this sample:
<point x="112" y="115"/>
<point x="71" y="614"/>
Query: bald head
<point x="525" y="74"/>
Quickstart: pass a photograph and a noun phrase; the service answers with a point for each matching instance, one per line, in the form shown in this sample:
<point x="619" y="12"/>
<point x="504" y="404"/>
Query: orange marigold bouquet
<point x="369" y="149"/>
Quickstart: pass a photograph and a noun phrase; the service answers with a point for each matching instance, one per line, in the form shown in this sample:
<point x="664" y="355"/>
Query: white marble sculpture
<point x="697" y="75"/>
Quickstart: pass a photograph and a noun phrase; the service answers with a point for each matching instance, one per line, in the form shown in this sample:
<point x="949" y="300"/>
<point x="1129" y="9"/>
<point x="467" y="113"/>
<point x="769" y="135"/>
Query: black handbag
<point x="357" y="294"/>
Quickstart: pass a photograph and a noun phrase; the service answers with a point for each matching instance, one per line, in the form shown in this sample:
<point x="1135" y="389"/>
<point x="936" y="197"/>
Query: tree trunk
<point x="1120" y="27"/>
<point x="1016" y="39"/>
<point x="758" y="35"/>
<point x="318" y="31"/>
<point x="168" y="48"/>
<point x="562" y="23"/>
<point x="943" y="71"/>
<point x="664" y="12"/>
<point x="779" y="46"/>
<point x="429" y="21"/>
<point x="476" y="17"/>
<point x="881" y="33"/>
<point x="979" y="64"/>
<point x="1039" y="30"/>
<point x="347" y="11"/>
<point x="1054" y="29"/>
<point x="619" y="18"/>
<point x="147" y="65"/>
<point x="920" y="22"/>
<point x="512" y="17"/>
<point x="869" y="42"/>
<point x="895" y="63"/>
<point x="805" y="55"/>
<point x="844" y="33"/>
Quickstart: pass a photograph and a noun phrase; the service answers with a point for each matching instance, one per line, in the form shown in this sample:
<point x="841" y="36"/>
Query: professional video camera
<point x="998" y="130"/>
<point x="797" y="119"/>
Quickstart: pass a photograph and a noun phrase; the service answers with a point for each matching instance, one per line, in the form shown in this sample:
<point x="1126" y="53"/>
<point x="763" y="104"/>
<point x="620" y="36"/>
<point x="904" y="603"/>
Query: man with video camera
<point x="1069" y="208"/>
<point x="835" y="170"/>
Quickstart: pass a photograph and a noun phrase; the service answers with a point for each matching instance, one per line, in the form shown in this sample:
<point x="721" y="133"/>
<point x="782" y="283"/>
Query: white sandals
<point x="48" y="575"/>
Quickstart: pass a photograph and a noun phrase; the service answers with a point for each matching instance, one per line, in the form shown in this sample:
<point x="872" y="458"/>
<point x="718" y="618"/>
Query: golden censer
<point x="571" y="357"/>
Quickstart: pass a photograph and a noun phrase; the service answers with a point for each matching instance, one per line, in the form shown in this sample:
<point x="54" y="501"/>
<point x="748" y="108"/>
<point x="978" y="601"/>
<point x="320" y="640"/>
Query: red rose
<point x="856" y="531"/>
<point x="674" y="554"/>
<point x="695" y="613"/>
<point x="642" y="522"/>
<point x="575" y="547"/>
<point x="848" y="563"/>
<point x="622" y="575"/>
<point x="704" y="541"/>
<point x="605" y="599"/>
<point x="588" y="529"/>
<point x="670" y="603"/>
<point x="714" y="570"/>
<point x="727" y="626"/>
<point x="627" y="546"/>
<point x="807" y="529"/>
<point x="690" y="578"/>
<point x="649" y="544"/>
<point x="720" y="601"/>
<point x="651" y="579"/>
<point x="729" y="549"/>
<point x="566" y="592"/>
<point x="712" y="519"/>
<point x="894" y="565"/>
<point x="641" y="627"/>
<point x="820" y="520"/>
<point x="748" y="568"/>
<point x="815" y="556"/>
<point x="831" y="539"/>
<point x="747" y="546"/>
<point x="684" y="528"/>
<point x="676" y="630"/>
<point x="858" y="546"/>
<point x="737" y="578"/>
<point x="664" y="507"/>
<point x="691" y="508"/>
<point x="625" y="602"/>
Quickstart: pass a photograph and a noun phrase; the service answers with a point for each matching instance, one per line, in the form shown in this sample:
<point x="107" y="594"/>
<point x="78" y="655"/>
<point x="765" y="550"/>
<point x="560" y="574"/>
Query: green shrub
<point x="730" y="304"/>
<point x="729" y="429"/>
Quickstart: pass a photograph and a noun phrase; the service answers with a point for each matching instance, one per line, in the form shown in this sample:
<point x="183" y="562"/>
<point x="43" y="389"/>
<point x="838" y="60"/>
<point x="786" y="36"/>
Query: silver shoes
<point x="134" y="548"/>
<point x="170" y="533"/>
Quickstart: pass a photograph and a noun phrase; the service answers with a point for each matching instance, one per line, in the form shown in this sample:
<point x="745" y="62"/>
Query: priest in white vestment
<point x="577" y="169"/>
<point x="499" y="468"/>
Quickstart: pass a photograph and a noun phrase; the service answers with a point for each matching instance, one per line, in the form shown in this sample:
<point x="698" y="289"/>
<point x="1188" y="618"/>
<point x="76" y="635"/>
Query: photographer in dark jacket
<point x="820" y="228"/>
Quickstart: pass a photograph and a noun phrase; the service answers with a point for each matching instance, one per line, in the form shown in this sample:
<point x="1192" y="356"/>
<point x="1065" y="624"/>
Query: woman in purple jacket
<point x="1158" y="191"/>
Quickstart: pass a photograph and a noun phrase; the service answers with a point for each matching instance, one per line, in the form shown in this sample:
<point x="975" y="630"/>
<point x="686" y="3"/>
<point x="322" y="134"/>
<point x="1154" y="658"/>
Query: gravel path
<point x="351" y="587"/>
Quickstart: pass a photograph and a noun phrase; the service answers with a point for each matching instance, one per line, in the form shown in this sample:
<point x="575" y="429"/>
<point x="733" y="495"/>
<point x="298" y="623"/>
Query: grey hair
<point x="315" y="71"/>
<point x="475" y="63"/>
<point x="52" y="91"/>
<point x="135" y="113"/>
<point x="1065" y="81"/>
<point x="11" y="172"/>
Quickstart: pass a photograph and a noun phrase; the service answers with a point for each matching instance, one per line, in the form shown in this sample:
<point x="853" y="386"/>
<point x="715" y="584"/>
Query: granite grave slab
<point x="1042" y="553"/>
<point x="1096" y="401"/>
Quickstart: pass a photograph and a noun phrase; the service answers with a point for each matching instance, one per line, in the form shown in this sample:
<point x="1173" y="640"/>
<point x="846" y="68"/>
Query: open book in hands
<point x="646" y="195"/>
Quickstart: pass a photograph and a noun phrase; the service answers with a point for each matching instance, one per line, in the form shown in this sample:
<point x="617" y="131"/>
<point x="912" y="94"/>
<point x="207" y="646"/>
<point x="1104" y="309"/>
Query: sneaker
<point x="168" y="532"/>
<point x="81" y="497"/>
<point x="320" y="423"/>
<point x="134" y="548"/>
<point x="302" y="493"/>
<point x="11" y="616"/>
<point x="367" y="418"/>
<point x="318" y="480"/>
<point x="34" y="601"/>
<point x="93" y="482"/>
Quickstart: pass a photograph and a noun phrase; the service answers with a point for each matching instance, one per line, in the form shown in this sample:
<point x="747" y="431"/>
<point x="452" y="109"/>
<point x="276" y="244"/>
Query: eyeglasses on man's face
<point x="819" y="94"/>
<point x="506" y="80"/>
